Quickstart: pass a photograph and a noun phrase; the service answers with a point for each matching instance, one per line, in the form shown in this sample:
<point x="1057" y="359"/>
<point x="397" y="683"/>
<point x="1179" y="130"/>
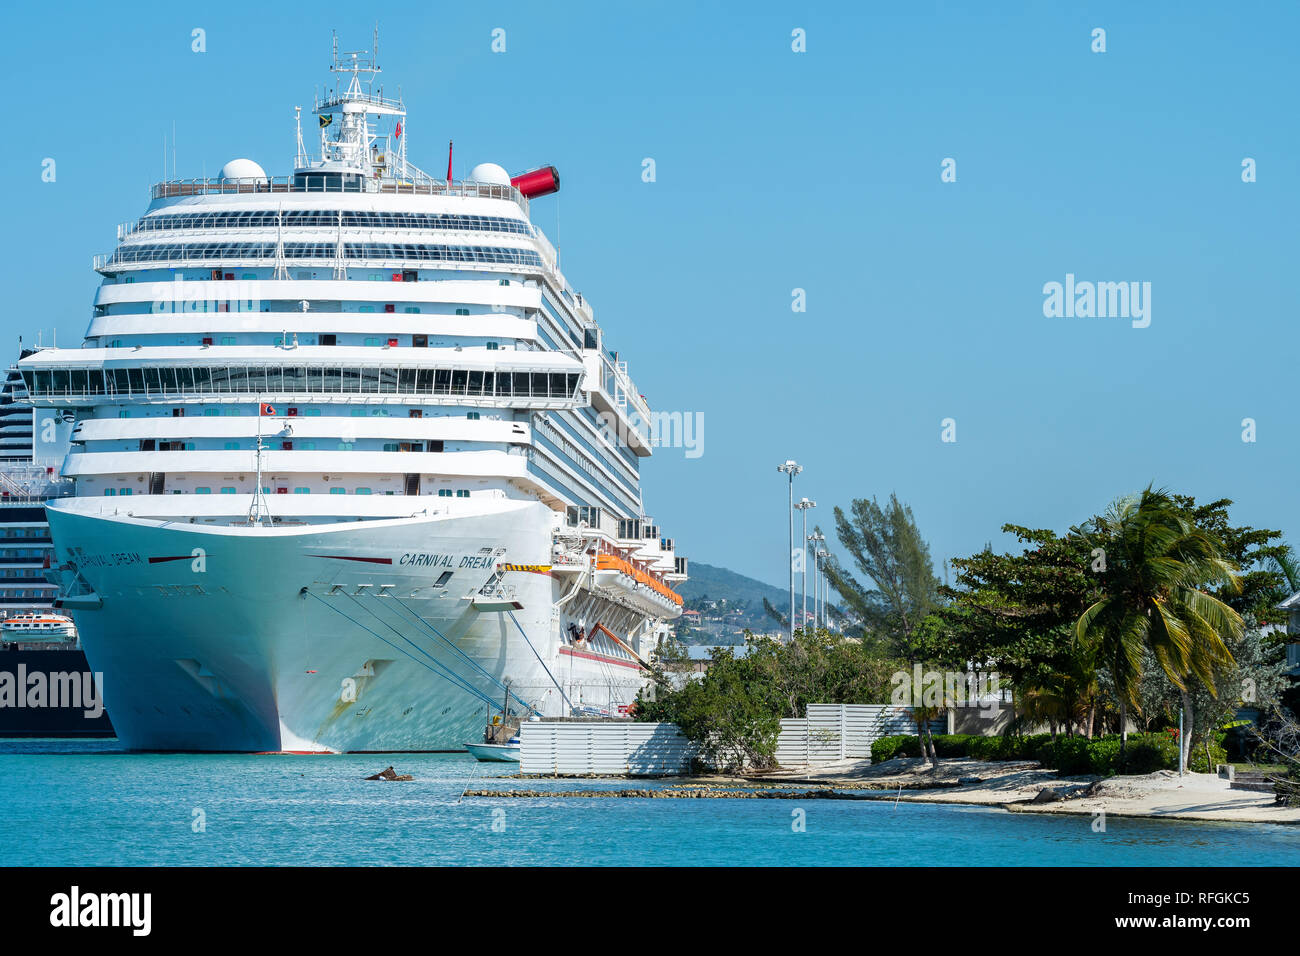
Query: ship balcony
<point x="614" y="396"/>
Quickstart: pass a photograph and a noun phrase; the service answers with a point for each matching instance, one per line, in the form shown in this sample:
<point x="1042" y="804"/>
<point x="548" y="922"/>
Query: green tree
<point x="734" y="710"/>
<point x="887" y="548"/>
<point x="1155" y="564"/>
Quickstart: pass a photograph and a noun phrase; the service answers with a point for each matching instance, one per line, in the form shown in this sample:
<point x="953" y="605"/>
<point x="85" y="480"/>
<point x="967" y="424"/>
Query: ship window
<point x="228" y="490"/>
<point x="345" y="446"/>
<point x="472" y="416"/>
<point x="203" y="491"/>
<point x="232" y="445"/>
<point x="442" y="579"/>
<point x="302" y="491"/>
<point x="211" y="411"/>
<point x="313" y="413"/>
<point x="366" y="308"/>
<point x="371" y="342"/>
<point x="189" y="446"/>
<point x="338" y="491"/>
<point x="412" y="310"/>
<point x="462" y="493"/>
<point x="363" y="491"/>
<point x="231" y="412"/>
<point x="390" y="446"/>
<point x="124" y="413"/>
<point x="307" y="445"/>
<point x="462" y="311"/>
<point x="227" y="340"/>
<point x="110" y="492"/>
<point x="125" y="491"/>
<point x="444" y="492"/>
<point x="492" y="346"/>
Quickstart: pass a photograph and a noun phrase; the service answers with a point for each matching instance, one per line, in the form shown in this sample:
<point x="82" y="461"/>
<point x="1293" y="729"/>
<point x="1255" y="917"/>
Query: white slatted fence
<point x="834" y="732"/>
<point x="603" y="747"/>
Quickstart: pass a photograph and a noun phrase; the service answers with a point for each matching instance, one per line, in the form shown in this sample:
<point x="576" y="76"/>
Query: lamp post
<point x="791" y="468"/>
<point x="816" y="538"/>
<point x="826" y="590"/>
<point x="803" y="504"/>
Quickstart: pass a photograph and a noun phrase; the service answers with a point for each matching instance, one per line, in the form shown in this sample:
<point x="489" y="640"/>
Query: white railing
<point x="285" y="184"/>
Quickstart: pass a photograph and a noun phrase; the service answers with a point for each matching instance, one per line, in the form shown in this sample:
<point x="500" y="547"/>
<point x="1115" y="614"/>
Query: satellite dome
<point x="489" y="173"/>
<point x="242" y="169"/>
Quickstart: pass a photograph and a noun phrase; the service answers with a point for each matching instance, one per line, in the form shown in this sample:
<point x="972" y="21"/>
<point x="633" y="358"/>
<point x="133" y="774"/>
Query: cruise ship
<point x="35" y="639"/>
<point x="354" y="468"/>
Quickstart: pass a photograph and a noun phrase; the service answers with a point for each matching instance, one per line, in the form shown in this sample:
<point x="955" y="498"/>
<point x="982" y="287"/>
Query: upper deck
<point x="184" y="188"/>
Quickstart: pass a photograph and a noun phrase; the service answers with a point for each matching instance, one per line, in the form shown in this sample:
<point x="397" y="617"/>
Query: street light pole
<point x="791" y="468"/>
<point x="816" y="538"/>
<point x="826" y="591"/>
<point x="803" y="504"/>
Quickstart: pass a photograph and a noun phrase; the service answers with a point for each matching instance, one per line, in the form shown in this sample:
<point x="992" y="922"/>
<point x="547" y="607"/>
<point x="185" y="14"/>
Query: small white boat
<point x="499" y="753"/>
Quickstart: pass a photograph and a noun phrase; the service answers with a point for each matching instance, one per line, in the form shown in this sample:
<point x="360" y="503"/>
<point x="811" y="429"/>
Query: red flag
<point x="398" y="134"/>
<point x="267" y="409"/>
<point x="448" y="160"/>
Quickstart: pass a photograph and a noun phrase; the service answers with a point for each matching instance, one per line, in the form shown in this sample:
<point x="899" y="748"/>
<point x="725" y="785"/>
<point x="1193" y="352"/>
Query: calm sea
<point x="81" y="803"/>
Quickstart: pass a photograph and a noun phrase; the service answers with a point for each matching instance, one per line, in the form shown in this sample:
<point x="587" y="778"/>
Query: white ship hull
<point x="311" y="638"/>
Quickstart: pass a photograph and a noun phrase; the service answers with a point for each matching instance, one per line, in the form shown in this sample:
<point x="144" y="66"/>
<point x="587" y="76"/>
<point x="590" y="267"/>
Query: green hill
<point x="721" y="583"/>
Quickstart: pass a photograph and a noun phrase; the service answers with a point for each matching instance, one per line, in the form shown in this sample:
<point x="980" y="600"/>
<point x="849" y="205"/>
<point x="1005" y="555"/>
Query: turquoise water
<point x="81" y="803"/>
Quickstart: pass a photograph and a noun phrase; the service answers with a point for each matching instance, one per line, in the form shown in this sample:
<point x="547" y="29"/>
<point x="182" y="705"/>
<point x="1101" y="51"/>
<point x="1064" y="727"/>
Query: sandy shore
<point x="1196" y="796"/>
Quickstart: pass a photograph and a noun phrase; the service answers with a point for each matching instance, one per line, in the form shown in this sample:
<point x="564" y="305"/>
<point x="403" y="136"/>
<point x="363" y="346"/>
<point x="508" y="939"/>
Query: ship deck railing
<point x="179" y="188"/>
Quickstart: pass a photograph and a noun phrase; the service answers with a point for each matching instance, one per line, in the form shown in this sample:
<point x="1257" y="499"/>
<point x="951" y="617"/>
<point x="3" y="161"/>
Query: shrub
<point x="1145" y="753"/>
<point x="901" y="745"/>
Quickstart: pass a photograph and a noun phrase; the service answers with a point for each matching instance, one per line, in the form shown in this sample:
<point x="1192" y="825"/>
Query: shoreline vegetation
<point x="1144" y="639"/>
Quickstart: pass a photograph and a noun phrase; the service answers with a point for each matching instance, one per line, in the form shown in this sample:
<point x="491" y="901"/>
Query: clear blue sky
<point x="778" y="170"/>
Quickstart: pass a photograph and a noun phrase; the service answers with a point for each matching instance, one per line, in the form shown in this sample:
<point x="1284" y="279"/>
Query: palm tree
<point x="1287" y="564"/>
<point x="1063" y="698"/>
<point x="1156" y="564"/>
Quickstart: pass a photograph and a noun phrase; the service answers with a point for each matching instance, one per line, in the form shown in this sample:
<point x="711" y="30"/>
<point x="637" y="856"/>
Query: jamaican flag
<point x="326" y="119"/>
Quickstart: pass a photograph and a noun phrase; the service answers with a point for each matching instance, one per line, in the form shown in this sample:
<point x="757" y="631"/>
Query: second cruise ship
<point x="353" y="465"/>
